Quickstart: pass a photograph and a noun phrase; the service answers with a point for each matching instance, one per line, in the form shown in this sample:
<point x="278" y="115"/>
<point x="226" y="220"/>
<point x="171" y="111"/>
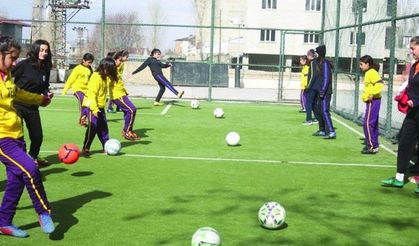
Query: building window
<point x="405" y="42"/>
<point x="267" y="35"/>
<point x="354" y="38"/>
<point x="311" y="38"/>
<point x="313" y="5"/>
<point x="355" y="5"/>
<point x="268" y="4"/>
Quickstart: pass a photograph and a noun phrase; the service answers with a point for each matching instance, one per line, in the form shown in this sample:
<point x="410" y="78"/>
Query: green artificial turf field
<point x="182" y="176"/>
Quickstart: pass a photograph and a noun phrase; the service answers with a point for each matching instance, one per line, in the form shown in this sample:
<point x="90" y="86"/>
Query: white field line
<point x="251" y="160"/>
<point x="382" y="146"/>
<point x="166" y="109"/>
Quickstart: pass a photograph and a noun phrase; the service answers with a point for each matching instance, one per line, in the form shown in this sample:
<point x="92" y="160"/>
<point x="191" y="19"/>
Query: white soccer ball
<point x="271" y="215"/>
<point x="233" y="138"/>
<point x="194" y="104"/>
<point x="112" y="146"/>
<point x="218" y="113"/>
<point x="206" y="236"/>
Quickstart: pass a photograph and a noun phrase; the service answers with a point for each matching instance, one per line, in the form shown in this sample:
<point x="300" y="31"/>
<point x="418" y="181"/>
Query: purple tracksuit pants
<point x="129" y="110"/>
<point x="97" y="126"/>
<point x="80" y="96"/>
<point x="370" y="124"/>
<point x="21" y="172"/>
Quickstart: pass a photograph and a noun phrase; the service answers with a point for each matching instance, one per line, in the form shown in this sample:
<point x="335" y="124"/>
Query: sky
<point x="175" y="12"/>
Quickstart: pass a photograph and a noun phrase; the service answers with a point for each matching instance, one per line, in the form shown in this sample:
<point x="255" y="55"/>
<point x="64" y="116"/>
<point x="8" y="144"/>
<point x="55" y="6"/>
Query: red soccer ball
<point x="68" y="153"/>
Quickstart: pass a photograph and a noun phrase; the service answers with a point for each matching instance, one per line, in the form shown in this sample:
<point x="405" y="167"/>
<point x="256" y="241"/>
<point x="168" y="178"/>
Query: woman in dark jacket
<point x="32" y="74"/>
<point x="155" y="66"/>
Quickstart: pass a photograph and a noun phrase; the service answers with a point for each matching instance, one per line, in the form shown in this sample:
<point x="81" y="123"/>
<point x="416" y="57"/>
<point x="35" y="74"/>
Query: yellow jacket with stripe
<point x="10" y="122"/>
<point x="117" y="89"/>
<point x="373" y="85"/>
<point x="96" y="92"/>
<point x="78" y="79"/>
<point x="304" y="76"/>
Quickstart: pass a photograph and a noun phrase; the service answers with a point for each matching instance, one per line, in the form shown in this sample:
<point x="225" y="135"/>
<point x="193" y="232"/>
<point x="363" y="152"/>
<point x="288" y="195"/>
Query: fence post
<point x="337" y="49"/>
<point x="211" y="56"/>
<point x="387" y="126"/>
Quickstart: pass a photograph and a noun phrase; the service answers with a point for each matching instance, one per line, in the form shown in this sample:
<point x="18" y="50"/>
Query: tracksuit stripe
<point x="30" y="178"/>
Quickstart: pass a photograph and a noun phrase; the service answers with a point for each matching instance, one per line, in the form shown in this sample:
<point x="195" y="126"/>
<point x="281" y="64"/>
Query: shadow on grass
<point x="63" y="211"/>
<point x="44" y="172"/>
<point x="174" y="103"/>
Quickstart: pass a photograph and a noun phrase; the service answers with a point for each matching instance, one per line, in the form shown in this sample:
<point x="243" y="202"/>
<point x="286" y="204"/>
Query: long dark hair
<point x="7" y="47"/>
<point x="154" y="51"/>
<point x="415" y="40"/>
<point x="89" y="57"/>
<point x="33" y="55"/>
<point x="107" y="67"/>
<point x="368" y="60"/>
<point x="305" y="58"/>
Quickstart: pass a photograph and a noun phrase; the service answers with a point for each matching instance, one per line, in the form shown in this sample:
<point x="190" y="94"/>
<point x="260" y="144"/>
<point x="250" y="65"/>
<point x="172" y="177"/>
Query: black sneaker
<point x="331" y="135"/>
<point x="319" y="134"/>
<point x="368" y="151"/>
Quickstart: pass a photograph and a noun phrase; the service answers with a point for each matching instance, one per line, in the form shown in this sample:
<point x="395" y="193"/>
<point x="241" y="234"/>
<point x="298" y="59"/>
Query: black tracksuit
<point x="31" y="78"/>
<point x="410" y="128"/>
<point x="155" y="67"/>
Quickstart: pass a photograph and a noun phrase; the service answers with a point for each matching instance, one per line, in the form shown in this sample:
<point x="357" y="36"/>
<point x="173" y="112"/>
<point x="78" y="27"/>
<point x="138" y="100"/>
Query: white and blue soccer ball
<point x="233" y="138"/>
<point x="206" y="236"/>
<point x="194" y="104"/>
<point x="218" y="113"/>
<point x="112" y="146"/>
<point x="271" y="215"/>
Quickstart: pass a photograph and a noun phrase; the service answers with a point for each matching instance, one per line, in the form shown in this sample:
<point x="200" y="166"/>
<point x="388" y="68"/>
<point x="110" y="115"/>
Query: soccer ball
<point x="218" y="113"/>
<point x="232" y="138"/>
<point x="112" y="146"/>
<point x="194" y="104"/>
<point x="68" y="153"/>
<point x="206" y="236"/>
<point x="271" y="215"/>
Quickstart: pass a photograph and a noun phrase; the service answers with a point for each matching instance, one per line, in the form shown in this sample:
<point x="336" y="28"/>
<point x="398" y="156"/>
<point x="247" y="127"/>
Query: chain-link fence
<point x="248" y="50"/>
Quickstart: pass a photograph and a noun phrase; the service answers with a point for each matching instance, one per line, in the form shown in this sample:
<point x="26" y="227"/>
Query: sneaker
<point x="368" y="151"/>
<point x="302" y="111"/>
<point x="46" y="223"/>
<point x="134" y="135"/>
<point x="158" y="104"/>
<point x="180" y="94"/>
<point x="331" y="135"/>
<point x="315" y="121"/>
<point x="319" y="134"/>
<point x="42" y="162"/>
<point x="392" y="182"/>
<point x="307" y="123"/>
<point x="414" y="179"/>
<point x="12" y="230"/>
<point x="110" y="111"/>
<point x="130" y="135"/>
<point x="86" y="152"/>
<point x="83" y="120"/>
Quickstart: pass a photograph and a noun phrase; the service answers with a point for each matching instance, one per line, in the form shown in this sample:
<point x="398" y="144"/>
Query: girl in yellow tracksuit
<point x="95" y="101"/>
<point x="21" y="169"/>
<point x="304" y="80"/>
<point x="372" y="98"/>
<point x="119" y="95"/>
<point x="77" y="81"/>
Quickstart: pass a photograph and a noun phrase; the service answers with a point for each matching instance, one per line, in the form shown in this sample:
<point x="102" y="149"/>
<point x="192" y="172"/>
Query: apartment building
<point x="254" y="29"/>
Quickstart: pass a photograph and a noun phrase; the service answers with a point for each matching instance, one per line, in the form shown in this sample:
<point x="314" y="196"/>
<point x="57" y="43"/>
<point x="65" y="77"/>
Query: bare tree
<point x="157" y="17"/>
<point x="121" y="32"/>
<point x="201" y="9"/>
